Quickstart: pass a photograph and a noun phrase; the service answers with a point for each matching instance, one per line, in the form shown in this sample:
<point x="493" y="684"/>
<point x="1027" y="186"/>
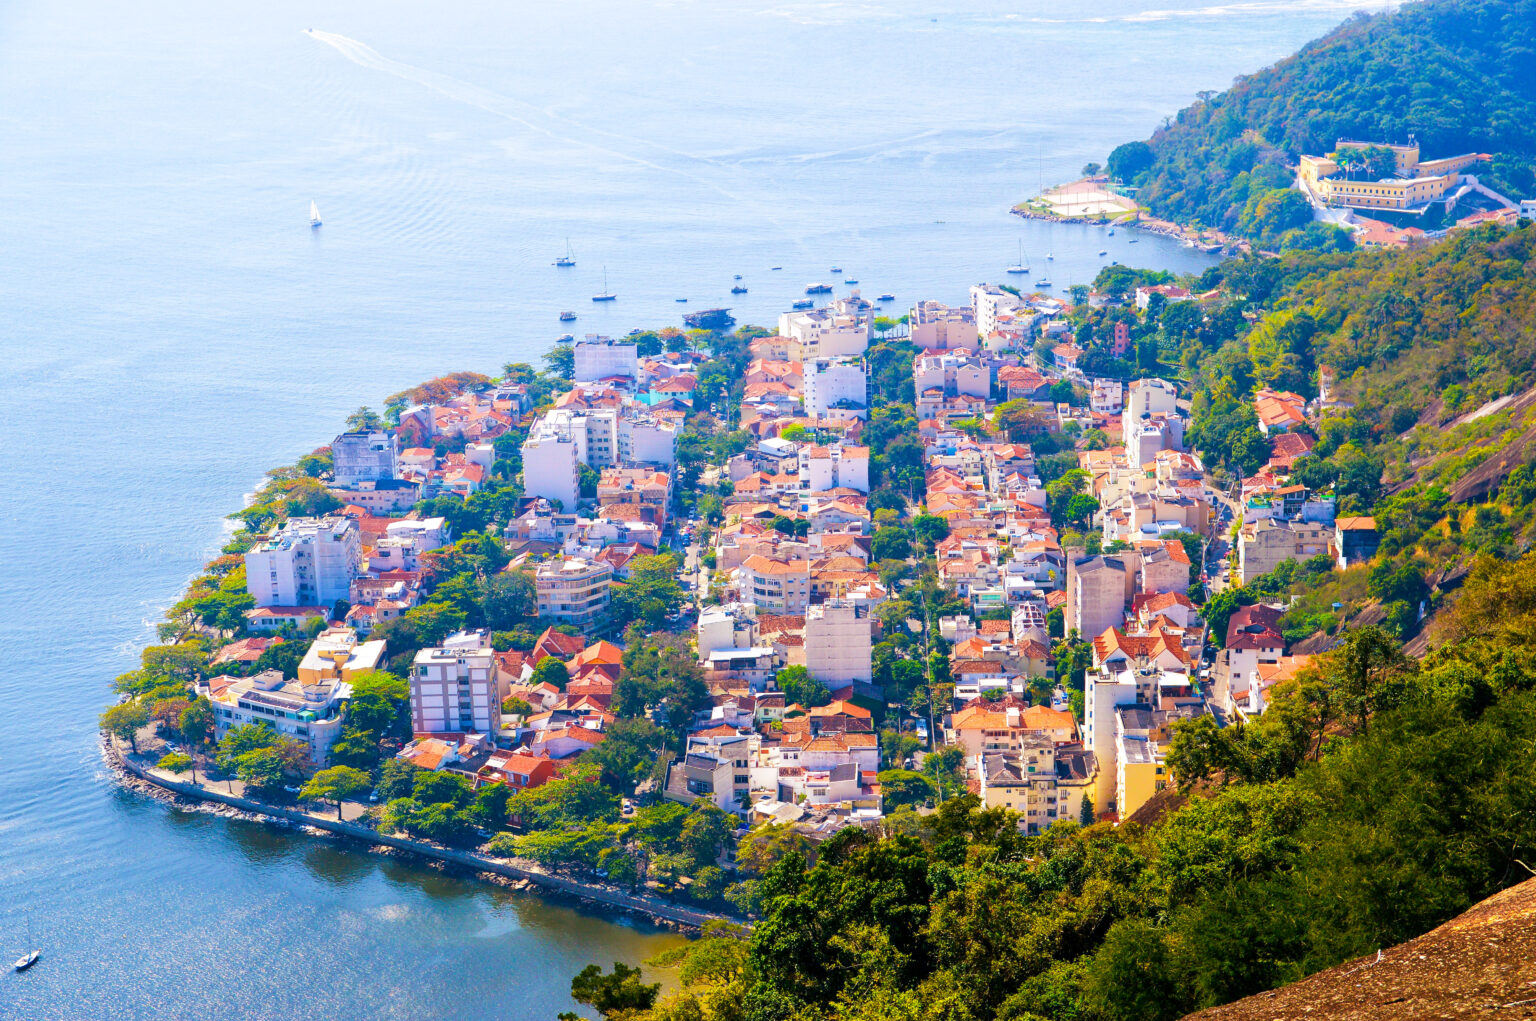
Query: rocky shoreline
<point x="568" y="891"/>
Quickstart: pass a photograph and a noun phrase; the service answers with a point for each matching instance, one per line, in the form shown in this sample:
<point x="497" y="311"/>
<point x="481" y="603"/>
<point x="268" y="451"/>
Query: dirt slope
<point x="1481" y="964"/>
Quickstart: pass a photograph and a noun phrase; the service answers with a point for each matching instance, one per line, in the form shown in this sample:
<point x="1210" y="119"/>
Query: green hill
<point x="1458" y="75"/>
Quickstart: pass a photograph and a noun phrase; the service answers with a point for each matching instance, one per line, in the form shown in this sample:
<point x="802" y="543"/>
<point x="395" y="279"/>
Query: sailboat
<point x="29" y="958"/>
<point x="567" y="259"/>
<point x="606" y="295"/>
<point x="314" y="214"/>
<point x="1021" y="266"/>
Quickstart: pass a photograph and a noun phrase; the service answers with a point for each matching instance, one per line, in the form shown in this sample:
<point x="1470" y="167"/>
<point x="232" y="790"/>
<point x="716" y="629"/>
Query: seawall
<point x="654" y="908"/>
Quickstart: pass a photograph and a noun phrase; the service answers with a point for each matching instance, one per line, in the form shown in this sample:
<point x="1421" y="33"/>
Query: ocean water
<point x="170" y="327"/>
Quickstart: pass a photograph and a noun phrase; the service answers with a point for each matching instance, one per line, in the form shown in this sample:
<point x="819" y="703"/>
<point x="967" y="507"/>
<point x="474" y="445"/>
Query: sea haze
<point x="172" y="328"/>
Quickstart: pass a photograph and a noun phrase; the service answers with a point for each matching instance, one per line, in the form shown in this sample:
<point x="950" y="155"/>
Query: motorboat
<point x="803" y="304"/>
<point x="738" y="289"/>
<point x="566" y="317"/>
<point x="819" y="289"/>
<point x="887" y="297"/>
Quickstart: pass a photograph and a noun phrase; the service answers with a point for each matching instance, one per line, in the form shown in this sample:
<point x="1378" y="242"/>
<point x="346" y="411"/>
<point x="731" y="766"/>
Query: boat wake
<point x="518" y="112"/>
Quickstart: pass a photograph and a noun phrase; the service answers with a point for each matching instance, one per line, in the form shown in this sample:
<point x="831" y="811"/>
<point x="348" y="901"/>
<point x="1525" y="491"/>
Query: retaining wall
<point x="651" y="907"/>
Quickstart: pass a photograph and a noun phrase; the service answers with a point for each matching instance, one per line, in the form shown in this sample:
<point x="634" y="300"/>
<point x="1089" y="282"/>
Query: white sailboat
<point x="314" y="214"/>
<point x="568" y="259"/>
<point x="29" y="958"/>
<point x="606" y="295"/>
<point x="1021" y="266"/>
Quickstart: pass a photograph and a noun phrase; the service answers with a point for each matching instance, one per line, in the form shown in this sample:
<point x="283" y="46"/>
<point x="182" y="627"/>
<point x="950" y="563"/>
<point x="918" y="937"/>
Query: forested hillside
<point x="1378" y="797"/>
<point x="1436" y="352"/>
<point x="1459" y="75"/>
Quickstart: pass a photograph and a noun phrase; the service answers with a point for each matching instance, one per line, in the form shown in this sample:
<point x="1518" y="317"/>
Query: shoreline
<point x="1210" y="240"/>
<point x="503" y="872"/>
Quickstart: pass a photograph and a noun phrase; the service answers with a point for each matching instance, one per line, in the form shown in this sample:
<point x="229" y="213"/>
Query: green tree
<point x="335" y="784"/>
<point x="125" y="721"/>
<point x="614" y="993"/>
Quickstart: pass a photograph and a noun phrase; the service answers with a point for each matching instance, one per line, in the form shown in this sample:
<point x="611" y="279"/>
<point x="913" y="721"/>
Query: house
<point x="1279" y="411"/>
<point x="984" y="727"/>
<point x="276" y="618"/>
<point x="1065" y="357"/>
<point x="244" y="652"/>
<point x="1356" y="540"/>
<point x="1169" y="292"/>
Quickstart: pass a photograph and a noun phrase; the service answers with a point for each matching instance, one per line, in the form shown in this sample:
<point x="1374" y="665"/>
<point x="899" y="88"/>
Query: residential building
<point x="604" y="358"/>
<point x="309" y="562"/>
<point x="775" y="586"/>
<point x="1145" y="398"/>
<point x="366" y="455"/>
<point x="1096" y="593"/>
<point x="1356" y="539"/>
<point x="1007" y="725"/>
<point x="312" y="713"/>
<point x="840" y="382"/>
<point x="838" y="466"/>
<point x="933" y="324"/>
<point x="337" y="655"/>
<point x="1170" y="293"/>
<point x="1263" y="544"/>
<point x="838" y="644"/>
<point x="951" y="372"/>
<point x="551" y="454"/>
<point x="573" y="590"/>
<point x="1042" y="781"/>
<point x="454" y="687"/>
<point x="841" y="330"/>
<point x="990" y="305"/>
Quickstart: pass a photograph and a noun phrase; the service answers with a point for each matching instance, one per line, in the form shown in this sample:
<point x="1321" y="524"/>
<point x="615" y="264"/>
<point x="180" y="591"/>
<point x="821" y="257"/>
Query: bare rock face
<point x="1481" y="964"/>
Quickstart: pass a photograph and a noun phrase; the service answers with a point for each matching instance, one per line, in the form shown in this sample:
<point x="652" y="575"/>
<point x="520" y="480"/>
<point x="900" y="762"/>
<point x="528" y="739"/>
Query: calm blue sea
<point x="171" y="327"/>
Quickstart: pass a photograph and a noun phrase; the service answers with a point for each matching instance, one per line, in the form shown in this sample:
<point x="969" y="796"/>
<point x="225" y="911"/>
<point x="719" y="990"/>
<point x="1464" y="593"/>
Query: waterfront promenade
<point x="138" y="768"/>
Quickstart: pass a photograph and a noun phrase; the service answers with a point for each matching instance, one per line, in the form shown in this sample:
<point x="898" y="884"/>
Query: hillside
<point x="1456" y="74"/>
<point x="1479" y="964"/>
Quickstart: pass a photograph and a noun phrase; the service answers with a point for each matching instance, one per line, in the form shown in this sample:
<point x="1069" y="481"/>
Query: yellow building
<point x="1418" y="182"/>
<point x="337" y="655"/>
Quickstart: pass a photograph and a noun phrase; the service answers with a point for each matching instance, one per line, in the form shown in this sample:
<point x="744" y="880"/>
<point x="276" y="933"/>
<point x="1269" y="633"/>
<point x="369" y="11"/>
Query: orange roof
<point x="841" y="708"/>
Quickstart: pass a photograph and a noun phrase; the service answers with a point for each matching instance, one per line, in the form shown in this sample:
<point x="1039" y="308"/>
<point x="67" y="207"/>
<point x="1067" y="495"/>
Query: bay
<point x="171" y="327"/>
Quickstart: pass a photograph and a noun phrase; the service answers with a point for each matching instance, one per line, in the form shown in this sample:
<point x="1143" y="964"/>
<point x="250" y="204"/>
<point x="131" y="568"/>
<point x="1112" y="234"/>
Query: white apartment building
<point x="936" y="325"/>
<point x="830" y="381"/>
<point x="310" y="562"/>
<point x="954" y="372"/>
<point x="1107" y="397"/>
<point x="573" y="590"/>
<point x="833" y="467"/>
<point x="550" y="456"/>
<point x="841" y="330"/>
<point x="838" y="644"/>
<point x="364" y="456"/>
<point x="454" y="689"/>
<point x="1145" y="398"/>
<point x="990" y="302"/>
<point x="645" y="439"/>
<point x="312" y="713"/>
<point x="722" y="628"/>
<point x="603" y="357"/>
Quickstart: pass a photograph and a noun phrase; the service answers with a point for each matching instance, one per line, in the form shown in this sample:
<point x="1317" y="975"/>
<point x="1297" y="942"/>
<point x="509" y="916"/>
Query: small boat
<point x="887" y="297"/>
<point x="736" y="277"/>
<point x="314" y="215"/>
<point x="803" y="303"/>
<point x="606" y="295"/>
<point x="835" y="269"/>
<point x="1021" y="266"/>
<point x="27" y="959"/>
<point x="681" y="301"/>
<point x="1111" y="232"/>
<point x="1134" y="240"/>
<point x="738" y="289"/>
<point x="565" y="338"/>
<point x="850" y="280"/>
<point x="776" y="267"/>
<point x="567" y="259"/>
<point x="566" y="317"/>
<point x="1049" y="256"/>
<point x="819" y="289"/>
<point x="1043" y="282"/>
<point x="1103" y="251"/>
